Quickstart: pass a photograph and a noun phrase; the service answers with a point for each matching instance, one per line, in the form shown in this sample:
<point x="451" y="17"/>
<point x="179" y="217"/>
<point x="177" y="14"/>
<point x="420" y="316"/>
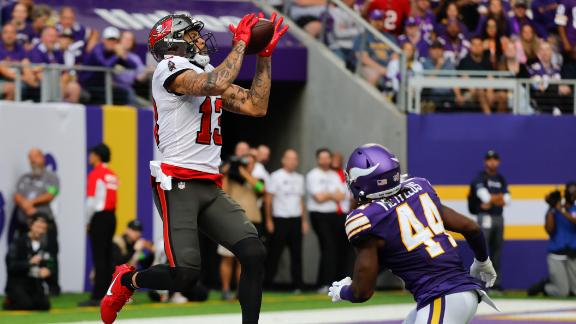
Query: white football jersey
<point x="187" y="128"/>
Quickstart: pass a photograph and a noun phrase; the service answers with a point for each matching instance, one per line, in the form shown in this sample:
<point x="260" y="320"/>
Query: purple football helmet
<point x="373" y="172"/>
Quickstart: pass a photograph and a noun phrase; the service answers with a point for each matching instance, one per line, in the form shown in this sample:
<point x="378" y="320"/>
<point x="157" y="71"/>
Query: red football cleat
<point x="117" y="295"/>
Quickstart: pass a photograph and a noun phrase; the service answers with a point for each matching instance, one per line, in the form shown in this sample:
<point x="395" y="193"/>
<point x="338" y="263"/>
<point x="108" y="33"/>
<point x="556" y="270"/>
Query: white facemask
<point x="203" y="60"/>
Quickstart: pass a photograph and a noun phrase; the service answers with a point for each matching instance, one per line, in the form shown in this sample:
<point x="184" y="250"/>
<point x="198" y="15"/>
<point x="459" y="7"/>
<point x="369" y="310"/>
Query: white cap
<point x="111" y="32"/>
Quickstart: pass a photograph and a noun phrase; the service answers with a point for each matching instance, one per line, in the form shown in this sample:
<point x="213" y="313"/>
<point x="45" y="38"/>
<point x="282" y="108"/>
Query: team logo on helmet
<point x="356" y="173"/>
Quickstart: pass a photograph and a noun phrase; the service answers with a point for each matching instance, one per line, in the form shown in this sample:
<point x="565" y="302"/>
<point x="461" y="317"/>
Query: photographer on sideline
<point x="560" y="225"/>
<point x="29" y="265"/>
<point x="131" y="248"/>
<point x="244" y="189"/>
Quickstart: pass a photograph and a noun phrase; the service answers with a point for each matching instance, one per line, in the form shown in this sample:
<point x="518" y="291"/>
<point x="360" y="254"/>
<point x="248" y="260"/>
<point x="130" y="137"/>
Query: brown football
<point x="262" y="34"/>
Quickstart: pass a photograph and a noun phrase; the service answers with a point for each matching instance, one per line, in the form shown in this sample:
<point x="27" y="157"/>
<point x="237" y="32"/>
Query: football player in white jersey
<point x="189" y="96"/>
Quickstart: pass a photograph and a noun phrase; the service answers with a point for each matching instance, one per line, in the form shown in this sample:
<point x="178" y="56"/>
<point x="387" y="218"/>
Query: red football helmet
<point x="167" y="38"/>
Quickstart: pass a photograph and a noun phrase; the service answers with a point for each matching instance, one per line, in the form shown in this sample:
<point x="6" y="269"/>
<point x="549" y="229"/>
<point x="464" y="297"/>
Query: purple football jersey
<point x="566" y="17"/>
<point x="416" y="247"/>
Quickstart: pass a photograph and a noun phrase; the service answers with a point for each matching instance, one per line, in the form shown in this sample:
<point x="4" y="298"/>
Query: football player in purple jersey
<point x="401" y="224"/>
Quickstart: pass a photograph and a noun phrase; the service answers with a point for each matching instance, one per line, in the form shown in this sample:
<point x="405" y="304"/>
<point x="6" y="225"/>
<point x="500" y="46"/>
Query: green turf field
<point x="64" y="308"/>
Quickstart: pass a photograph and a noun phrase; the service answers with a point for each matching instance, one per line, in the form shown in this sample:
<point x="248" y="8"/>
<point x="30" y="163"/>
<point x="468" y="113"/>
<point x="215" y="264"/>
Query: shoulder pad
<point x="362" y="220"/>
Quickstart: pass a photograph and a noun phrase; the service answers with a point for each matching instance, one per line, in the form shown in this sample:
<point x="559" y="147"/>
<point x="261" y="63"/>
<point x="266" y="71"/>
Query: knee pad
<point x="185" y="278"/>
<point x="250" y="252"/>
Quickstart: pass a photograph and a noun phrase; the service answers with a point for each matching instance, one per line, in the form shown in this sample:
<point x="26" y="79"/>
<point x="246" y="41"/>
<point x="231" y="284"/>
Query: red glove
<point x="278" y="33"/>
<point x="243" y="31"/>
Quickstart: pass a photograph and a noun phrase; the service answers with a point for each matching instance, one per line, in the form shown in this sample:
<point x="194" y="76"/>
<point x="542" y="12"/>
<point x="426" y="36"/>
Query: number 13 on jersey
<point x="205" y="134"/>
<point x="414" y="233"/>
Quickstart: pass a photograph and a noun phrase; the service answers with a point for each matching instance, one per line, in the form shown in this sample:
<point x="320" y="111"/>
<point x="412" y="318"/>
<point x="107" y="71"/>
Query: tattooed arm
<point x="213" y="83"/>
<point x="253" y="102"/>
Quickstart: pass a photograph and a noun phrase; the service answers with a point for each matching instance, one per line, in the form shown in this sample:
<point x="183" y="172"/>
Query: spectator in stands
<point x="520" y="18"/>
<point x="450" y="14"/>
<point x="394" y="14"/>
<point x="436" y="61"/>
<point x="569" y="67"/>
<point x="132" y="248"/>
<point x="127" y="79"/>
<point x="285" y="218"/>
<point x="343" y="31"/>
<point x="476" y="60"/>
<point x="48" y="52"/>
<point x="40" y="16"/>
<point x="560" y="224"/>
<point x="528" y="45"/>
<point x="324" y="193"/>
<point x="372" y="54"/>
<point x="509" y="62"/>
<point x="500" y="17"/>
<point x="67" y="24"/>
<point x="108" y="53"/>
<point x="566" y="21"/>
<point x="543" y="12"/>
<point x="493" y="41"/>
<point x="8" y="9"/>
<point x="415" y="36"/>
<point x="424" y="18"/>
<point x="35" y="192"/>
<point x="488" y="196"/>
<point x="23" y="25"/>
<point x="29" y="264"/>
<point x="245" y="189"/>
<point x="456" y="46"/>
<point x="470" y="11"/>
<point x="102" y="186"/>
<point x="12" y="52"/>
<point x="307" y="14"/>
<point x="72" y="52"/>
<point x="413" y="66"/>
<point x="549" y="97"/>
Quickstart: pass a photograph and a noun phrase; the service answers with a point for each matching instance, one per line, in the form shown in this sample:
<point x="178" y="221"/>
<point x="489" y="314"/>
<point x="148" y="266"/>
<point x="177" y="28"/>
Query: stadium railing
<point x="401" y="98"/>
<point x="50" y="84"/>
<point x="521" y="90"/>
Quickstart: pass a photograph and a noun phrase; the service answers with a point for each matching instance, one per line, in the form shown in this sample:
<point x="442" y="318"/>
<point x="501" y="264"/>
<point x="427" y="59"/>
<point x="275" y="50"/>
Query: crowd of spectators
<point x="34" y="34"/>
<point x="529" y="39"/>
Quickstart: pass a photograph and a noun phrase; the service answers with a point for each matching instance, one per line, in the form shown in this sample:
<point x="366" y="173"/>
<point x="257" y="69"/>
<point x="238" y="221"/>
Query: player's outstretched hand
<point x="334" y="291"/>
<point x="278" y="33"/>
<point x="243" y="31"/>
<point x="484" y="271"/>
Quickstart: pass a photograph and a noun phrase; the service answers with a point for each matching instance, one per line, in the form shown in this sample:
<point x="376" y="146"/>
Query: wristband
<point x="259" y="187"/>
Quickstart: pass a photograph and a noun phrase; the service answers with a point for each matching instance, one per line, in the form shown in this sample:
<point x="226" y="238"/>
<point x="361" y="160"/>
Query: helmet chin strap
<point x="200" y="59"/>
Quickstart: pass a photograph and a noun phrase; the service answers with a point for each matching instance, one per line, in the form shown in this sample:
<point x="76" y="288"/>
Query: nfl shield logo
<point x="181" y="185"/>
<point x="382" y="182"/>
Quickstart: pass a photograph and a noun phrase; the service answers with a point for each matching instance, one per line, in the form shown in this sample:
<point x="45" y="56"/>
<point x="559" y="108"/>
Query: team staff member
<point x="491" y="192"/>
<point x="101" y="205"/>
<point x="285" y="220"/>
<point x="324" y="193"/>
<point x="35" y="192"/>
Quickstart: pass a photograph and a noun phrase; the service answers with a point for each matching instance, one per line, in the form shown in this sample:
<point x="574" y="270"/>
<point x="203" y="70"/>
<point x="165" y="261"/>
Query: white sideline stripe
<point x="350" y="314"/>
